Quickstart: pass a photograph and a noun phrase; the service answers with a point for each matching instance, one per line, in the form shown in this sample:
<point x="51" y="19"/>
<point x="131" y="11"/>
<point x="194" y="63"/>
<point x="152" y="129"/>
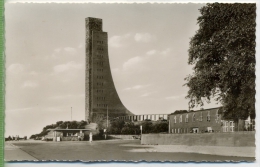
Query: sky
<point x="45" y="59"/>
<point x="45" y="69"/>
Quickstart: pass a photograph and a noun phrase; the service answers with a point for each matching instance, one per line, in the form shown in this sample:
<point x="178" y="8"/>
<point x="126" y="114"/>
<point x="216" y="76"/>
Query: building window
<point x="175" y="131"/>
<point x="231" y="125"/>
<point x="180" y="118"/>
<point x="194" y="118"/>
<point x="208" y="116"/>
<point x="201" y="117"/>
<point x="175" y="119"/>
<point x="187" y="118"/>
<point x="253" y="124"/>
<point x="217" y="117"/>
<point x="225" y="127"/>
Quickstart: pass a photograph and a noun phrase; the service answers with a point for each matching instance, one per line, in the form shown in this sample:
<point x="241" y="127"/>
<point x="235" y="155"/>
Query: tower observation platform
<point x="100" y="93"/>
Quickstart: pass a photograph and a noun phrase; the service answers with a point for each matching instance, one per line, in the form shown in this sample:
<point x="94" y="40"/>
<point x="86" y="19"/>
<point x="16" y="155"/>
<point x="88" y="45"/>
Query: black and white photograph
<point x="130" y="82"/>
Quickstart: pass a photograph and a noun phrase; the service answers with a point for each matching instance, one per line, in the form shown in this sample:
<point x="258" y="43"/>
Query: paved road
<point x="12" y="152"/>
<point x="122" y="150"/>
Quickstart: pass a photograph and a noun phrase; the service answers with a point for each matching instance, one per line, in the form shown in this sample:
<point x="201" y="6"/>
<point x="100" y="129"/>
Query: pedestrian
<point x="90" y="137"/>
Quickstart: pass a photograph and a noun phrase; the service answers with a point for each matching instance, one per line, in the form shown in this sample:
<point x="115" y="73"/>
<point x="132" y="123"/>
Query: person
<point x="90" y="137"/>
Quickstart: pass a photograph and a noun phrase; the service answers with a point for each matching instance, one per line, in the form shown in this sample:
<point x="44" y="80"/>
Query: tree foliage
<point x="223" y="54"/>
<point x="181" y="111"/>
<point x="116" y="126"/>
<point x="131" y="128"/>
<point x="61" y="125"/>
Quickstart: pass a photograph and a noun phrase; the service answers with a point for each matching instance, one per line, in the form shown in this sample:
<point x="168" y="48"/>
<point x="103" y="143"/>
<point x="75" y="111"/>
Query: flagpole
<point x="107" y="116"/>
<point x="71" y="114"/>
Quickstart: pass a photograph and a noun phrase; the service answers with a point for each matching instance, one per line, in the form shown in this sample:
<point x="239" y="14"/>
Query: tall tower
<point x="100" y="93"/>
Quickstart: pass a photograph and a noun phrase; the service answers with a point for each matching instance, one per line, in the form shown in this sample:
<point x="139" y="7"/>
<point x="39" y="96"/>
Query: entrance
<point x="195" y="130"/>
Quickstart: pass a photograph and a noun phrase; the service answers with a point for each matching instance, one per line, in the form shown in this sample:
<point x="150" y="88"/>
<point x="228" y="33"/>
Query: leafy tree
<point x="82" y="124"/>
<point x="179" y="111"/>
<point x="147" y="127"/>
<point x="116" y="126"/>
<point x="223" y="54"/>
<point x="131" y="128"/>
<point x="160" y="127"/>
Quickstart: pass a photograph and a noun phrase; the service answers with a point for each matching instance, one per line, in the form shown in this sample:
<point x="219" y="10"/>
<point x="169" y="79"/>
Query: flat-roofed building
<point x="205" y="120"/>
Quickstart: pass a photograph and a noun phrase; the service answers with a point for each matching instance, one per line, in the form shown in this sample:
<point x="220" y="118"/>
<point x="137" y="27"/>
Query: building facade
<point x="208" y="120"/>
<point x="100" y="94"/>
<point x="152" y="117"/>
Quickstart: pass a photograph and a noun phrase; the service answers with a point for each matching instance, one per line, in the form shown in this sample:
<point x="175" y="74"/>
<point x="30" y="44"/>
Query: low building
<point x="205" y="120"/>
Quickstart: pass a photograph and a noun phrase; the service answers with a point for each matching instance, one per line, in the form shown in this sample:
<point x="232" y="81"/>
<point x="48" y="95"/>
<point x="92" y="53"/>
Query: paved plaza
<point x="121" y="150"/>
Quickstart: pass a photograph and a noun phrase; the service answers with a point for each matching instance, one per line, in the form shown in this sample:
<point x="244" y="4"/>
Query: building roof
<point x="195" y="111"/>
<point x="69" y="129"/>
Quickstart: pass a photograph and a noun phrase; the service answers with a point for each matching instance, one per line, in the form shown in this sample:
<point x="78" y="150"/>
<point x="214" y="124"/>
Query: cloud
<point x="15" y="68"/>
<point x="148" y="94"/>
<point x="163" y="52"/>
<point x="30" y="84"/>
<point x="115" y="70"/>
<point x="131" y="63"/>
<point x="137" y="87"/>
<point x="33" y="73"/>
<point x="118" y="41"/>
<point x="70" y="50"/>
<point x="151" y="52"/>
<point x="67" y="67"/>
<point x="57" y="50"/>
<point x="80" y="45"/>
<point x="144" y="37"/>
<point x="166" y="51"/>
<point x="174" y="97"/>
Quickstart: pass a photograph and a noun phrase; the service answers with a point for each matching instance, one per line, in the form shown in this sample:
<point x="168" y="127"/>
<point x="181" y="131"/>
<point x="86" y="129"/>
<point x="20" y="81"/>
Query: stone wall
<point x="232" y="139"/>
<point x="124" y="137"/>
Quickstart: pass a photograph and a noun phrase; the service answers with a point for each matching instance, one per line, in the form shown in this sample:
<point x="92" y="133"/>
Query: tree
<point x="160" y="127"/>
<point x="147" y="126"/>
<point x="179" y="111"/>
<point x="116" y="126"/>
<point x="131" y="129"/>
<point x="223" y="54"/>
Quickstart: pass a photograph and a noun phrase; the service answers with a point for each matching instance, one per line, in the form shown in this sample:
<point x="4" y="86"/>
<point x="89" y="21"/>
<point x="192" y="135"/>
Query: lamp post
<point x="141" y="129"/>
